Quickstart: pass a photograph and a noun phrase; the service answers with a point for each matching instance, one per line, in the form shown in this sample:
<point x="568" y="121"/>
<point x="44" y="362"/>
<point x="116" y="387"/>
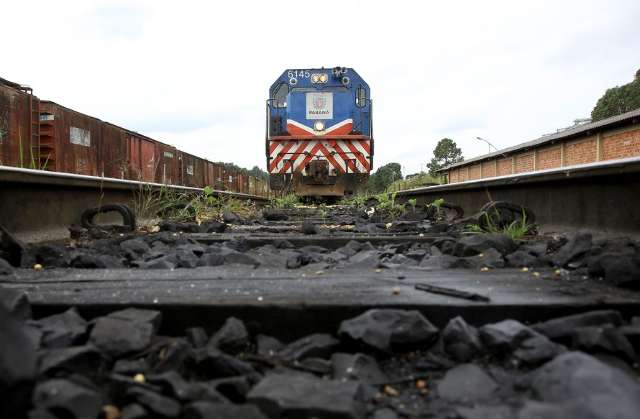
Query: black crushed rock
<point x="267" y="345"/>
<point x="389" y="330"/>
<point x="620" y="269"/>
<point x="60" y="330"/>
<point x="608" y="340"/>
<point x="15" y="302"/>
<point x="319" y="345"/>
<point x="78" y="398"/>
<point x="402" y="367"/>
<point x="576" y="247"/>
<point x="72" y="359"/>
<point x="305" y="396"/>
<point x="156" y="403"/>
<point x="380" y="364"/>
<point x="138" y="315"/>
<point x="478" y="243"/>
<point x="466" y="383"/>
<point x="11" y="249"/>
<point x="359" y="367"/>
<point x="117" y="337"/>
<point x="578" y="255"/>
<point x="18" y="363"/>
<point x="575" y="377"/>
<point x="5" y="267"/>
<point x="232" y="337"/>
<point x="561" y="328"/>
<point x="207" y="410"/>
<point x="461" y="340"/>
<point x="512" y="338"/>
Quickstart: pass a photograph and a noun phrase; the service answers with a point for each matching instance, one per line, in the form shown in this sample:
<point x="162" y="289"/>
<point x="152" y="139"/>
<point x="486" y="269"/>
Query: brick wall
<point x="549" y="157"/>
<point x="580" y="152"/>
<point x="504" y="166"/>
<point x="613" y="145"/>
<point x="488" y="169"/>
<point x="620" y="146"/>
<point x="475" y="172"/>
<point x="524" y="162"/>
<point x="462" y="174"/>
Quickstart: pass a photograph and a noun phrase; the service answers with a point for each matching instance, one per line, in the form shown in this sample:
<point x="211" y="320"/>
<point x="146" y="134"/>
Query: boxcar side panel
<point x="76" y="138"/>
<point x="15" y="128"/>
<point x="167" y="170"/>
<point x="112" y="155"/>
<point x="141" y="161"/>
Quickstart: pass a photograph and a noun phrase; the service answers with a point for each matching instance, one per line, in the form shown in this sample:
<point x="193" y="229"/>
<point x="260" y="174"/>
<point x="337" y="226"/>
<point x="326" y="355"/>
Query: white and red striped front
<point x="347" y="154"/>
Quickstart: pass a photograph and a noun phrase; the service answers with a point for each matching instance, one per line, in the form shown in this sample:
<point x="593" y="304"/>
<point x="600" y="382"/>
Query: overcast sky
<point x="196" y="74"/>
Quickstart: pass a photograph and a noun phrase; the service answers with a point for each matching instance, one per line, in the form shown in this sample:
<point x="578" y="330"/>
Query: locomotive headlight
<point x="315" y="78"/>
<point x="318" y="125"/>
<point x="323" y="78"/>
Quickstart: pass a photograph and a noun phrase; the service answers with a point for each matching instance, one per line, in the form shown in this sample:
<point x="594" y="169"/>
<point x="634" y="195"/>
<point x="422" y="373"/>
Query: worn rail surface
<point x="602" y="197"/>
<point x="39" y="205"/>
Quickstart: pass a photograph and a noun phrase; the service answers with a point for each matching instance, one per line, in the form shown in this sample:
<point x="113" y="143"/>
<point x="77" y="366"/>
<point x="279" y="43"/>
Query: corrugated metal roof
<point x="551" y="138"/>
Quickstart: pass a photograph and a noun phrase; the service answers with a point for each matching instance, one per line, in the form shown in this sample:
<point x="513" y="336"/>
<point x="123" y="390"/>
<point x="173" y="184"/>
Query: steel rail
<point x="37" y="205"/>
<point x="602" y="196"/>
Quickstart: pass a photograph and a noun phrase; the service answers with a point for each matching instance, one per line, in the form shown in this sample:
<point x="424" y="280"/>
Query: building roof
<point x="575" y="131"/>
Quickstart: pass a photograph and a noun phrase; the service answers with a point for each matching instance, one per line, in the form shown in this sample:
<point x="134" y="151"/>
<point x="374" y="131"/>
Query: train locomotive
<point x="319" y="133"/>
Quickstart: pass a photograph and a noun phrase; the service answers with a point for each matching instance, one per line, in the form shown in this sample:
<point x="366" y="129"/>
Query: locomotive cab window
<point x="361" y="96"/>
<point x="280" y="95"/>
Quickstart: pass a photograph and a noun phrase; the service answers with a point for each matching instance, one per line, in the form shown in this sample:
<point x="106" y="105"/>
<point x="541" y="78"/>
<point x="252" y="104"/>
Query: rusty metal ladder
<point x="47" y="142"/>
<point x="34" y="128"/>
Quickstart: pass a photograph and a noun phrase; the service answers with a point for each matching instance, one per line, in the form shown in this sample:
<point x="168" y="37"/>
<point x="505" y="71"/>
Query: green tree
<point x="618" y="100"/>
<point x="445" y="153"/>
<point x="384" y="176"/>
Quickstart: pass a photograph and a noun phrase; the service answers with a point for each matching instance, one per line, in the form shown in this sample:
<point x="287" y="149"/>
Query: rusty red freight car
<point x="192" y="170"/>
<point x="112" y="152"/>
<point x="71" y="140"/>
<point x="19" y="126"/>
<point x="167" y="168"/>
<point x="141" y="157"/>
<point x="45" y="135"/>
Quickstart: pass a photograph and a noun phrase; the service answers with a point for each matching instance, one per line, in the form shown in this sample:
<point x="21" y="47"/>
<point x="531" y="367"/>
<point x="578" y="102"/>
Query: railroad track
<point x="39" y="205"/>
<point x="324" y="312"/>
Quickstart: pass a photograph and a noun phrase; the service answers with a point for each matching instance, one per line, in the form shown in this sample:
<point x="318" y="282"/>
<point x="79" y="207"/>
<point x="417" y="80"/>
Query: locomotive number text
<point x="299" y="74"/>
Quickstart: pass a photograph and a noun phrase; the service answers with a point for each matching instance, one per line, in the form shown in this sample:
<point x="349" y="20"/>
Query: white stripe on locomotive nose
<point x="342" y="147"/>
<point x="338" y="125"/>
<point x="326" y="131"/>
<point x="274" y="155"/>
<point x="341" y="163"/>
<point x="348" y="154"/>
<point x="363" y="151"/>
<point x="297" y="165"/>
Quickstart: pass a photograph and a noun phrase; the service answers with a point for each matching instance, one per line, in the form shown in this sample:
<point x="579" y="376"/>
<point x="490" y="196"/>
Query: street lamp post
<point x="487" y="141"/>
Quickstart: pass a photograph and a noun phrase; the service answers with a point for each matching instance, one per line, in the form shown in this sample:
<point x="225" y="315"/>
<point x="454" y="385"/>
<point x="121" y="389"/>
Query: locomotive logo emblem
<point x="319" y="102"/>
<point x="319" y="105"/>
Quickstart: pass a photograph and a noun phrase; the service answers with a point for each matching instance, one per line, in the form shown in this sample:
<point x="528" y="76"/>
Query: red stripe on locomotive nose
<point x="272" y="147"/>
<point x="294" y="156"/>
<point x="358" y="155"/>
<point x="311" y="155"/>
<point x="349" y="162"/>
<point x="295" y="130"/>
<point x="365" y="145"/>
<point x="331" y="159"/>
<point x="280" y="156"/>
